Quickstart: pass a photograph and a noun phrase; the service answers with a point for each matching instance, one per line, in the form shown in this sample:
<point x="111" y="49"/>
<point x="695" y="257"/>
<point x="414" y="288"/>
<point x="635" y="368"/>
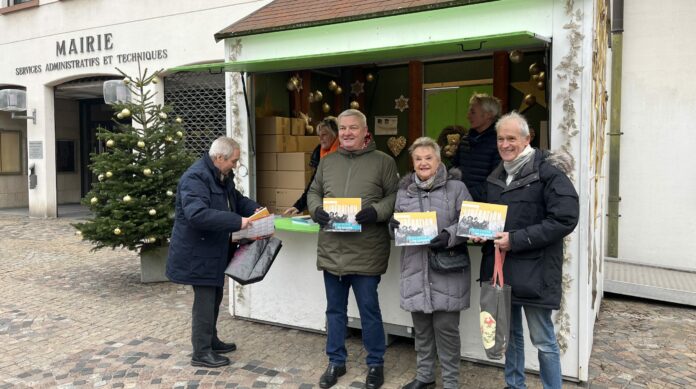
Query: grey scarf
<point x="427" y="184"/>
<point x="514" y="166"/>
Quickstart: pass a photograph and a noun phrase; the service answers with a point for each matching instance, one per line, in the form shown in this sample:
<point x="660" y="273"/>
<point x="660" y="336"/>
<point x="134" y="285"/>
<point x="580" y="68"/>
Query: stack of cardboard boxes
<point x="282" y="161"/>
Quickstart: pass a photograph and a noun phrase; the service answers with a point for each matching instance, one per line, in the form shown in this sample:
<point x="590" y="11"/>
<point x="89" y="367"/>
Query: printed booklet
<point x="482" y="220"/>
<point x="342" y="213"/>
<point x="416" y="228"/>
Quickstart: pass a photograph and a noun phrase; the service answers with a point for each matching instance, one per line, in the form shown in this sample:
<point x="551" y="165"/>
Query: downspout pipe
<point x="615" y="133"/>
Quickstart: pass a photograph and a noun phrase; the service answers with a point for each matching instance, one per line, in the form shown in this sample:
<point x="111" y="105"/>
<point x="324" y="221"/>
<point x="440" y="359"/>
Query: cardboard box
<point x="287" y="197"/>
<point x="276" y="143"/>
<point x="267" y="179"/>
<point x="292" y="180"/>
<point x="266" y="161"/>
<point x="306" y="144"/>
<point x="297" y="126"/>
<point x="293" y="161"/>
<point x="272" y="125"/>
<point x="266" y="196"/>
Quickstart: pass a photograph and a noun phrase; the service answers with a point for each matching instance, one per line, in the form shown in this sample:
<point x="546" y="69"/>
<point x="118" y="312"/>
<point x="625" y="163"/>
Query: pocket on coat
<point x="525" y="274"/>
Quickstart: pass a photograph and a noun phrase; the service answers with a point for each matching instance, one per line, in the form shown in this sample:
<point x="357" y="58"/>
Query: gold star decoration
<point x="529" y="88"/>
<point x="357" y="88"/>
<point x="401" y="103"/>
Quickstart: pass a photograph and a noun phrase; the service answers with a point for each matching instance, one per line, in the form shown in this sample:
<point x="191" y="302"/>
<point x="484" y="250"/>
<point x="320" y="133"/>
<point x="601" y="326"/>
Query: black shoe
<point x="375" y="377"/>
<point x="209" y="359"/>
<point x="330" y="376"/>
<point x="221" y="347"/>
<point x="415" y="384"/>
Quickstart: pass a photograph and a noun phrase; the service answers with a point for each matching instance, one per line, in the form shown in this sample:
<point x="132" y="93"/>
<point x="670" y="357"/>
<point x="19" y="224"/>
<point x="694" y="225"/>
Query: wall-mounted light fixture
<point x="116" y="91"/>
<point x="15" y="100"/>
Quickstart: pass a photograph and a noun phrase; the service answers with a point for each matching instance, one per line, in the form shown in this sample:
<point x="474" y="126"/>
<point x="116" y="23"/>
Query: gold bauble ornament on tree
<point x="100" y="177"/>
<point x="141" y="144"/>
<point x="110" y="143"/>
<point x="127" y="80"/>
<point x="152" y="212"/>
<point x="162" y="115"/>
<point x="127" y="199"/>
<point x="109" y="174"/>
<point x="179" y="120"/>
<point x="117" y="231"/>
<point x="147" y="171"/>
<point x="93" y="200"/>
<point x="125" y="112"/>
<point x="170" y="193"/>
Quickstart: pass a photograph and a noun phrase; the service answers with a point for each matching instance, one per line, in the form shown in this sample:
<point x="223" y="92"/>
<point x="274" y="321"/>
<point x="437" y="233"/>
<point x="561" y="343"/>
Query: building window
<point x="7" y="6"/>
<point x="10" y="152"/>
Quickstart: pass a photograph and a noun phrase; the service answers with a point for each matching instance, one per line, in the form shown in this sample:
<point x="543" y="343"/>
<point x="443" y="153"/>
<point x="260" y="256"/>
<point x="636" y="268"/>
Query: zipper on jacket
<point x="350" y="169"/>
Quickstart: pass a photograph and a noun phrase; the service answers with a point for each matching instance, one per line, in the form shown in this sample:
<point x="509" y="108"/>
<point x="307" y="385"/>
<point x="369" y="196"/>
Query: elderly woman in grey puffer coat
<point x="434" y="299"/>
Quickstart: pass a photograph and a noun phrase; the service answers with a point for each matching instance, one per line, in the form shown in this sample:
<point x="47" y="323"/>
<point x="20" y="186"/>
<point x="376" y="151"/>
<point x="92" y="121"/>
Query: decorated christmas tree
<point x="133" y="198"/>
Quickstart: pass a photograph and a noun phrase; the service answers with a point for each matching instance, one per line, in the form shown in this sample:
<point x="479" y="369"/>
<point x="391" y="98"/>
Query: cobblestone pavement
<point x="71" y="318"/>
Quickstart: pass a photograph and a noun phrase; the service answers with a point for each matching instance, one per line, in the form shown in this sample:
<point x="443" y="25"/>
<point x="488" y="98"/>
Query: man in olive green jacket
<point x="354" y="259"/>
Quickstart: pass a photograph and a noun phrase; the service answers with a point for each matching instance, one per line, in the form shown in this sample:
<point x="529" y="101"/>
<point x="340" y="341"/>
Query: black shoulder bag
<point x="449" y="260"/>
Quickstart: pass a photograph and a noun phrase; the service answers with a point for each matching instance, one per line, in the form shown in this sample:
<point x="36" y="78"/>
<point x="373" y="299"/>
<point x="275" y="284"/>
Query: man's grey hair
<point x="223" y="146"/>
<point x="487" y="103"/>
<point x="425" y="141"/>
<point x="515" y="117"/>
<point x="354" y="112"/>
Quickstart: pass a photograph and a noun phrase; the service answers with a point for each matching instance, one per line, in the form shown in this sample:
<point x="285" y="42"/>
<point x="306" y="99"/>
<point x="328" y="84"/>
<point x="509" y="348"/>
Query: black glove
<point x="366" y="215"/>
<point x="321" y="216"/>
<point x="440" y="241"/>
<point x="393" y="224"/>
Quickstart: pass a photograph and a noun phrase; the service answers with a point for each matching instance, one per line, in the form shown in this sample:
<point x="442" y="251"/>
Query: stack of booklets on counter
<point x="415" y="228"/>
<point x="481" y="220"/>
<point x="342" y="213"/>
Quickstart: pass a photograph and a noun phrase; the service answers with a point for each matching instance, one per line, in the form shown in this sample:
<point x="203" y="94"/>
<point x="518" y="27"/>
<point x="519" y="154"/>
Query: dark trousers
<point x="204" y="315"/>
<point x="365" y="291"/>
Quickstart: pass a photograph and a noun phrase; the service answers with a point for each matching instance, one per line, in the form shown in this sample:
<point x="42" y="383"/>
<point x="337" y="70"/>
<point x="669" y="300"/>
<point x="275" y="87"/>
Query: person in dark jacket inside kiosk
<point x="542" y="209"/>
<point x="354" y="259"/>
<point x="477" y="154"/>
<point x="208" y="209"/>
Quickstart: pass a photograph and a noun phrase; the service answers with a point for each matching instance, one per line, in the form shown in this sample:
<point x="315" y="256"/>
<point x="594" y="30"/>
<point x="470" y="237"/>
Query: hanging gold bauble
<point x="354" y="104"/>
<point x="141" y="144"/>
<point x="170" y="193"/>
<point x="309" y="130"/>
<point x="93" y="200"/>
<point x="535" y="68"/>
<point x="530" y="99"/>
<point x="318" y="96"/>
<point x="126" y="80"/>
<point x="109" y="174"/>
<point x="369" y="77"/>
<point x="535" y="77"/>
<point x="147" y="171"/>
<point x="178" y="120"/>
<point x="541" y="85"/>
<point x="169" y="138"/>
<point x="155" y="80"/>
<point x="119" y="116"/>
<point x="332" y="85"/>
<point x="150" y="239"/>
<point x="163" y="115"/>
<point x="117" y="231"/>
<point x="100" y="177"/>
<point x="110" y="143"/>
<point x="127" y="199"/>
<point x="338" y="90"/>
<point x="180" y="134"/>
<point x="125" y="112"/>
<point x="516" y="56"/>
<point x="326" y="107"/>
<point x="542" y="76"/>
<point x="152" y="212"/>
<point x="290" y="85"/>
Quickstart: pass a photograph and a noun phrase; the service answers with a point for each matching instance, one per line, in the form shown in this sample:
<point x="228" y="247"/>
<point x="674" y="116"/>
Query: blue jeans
<point x="543" y="338"/>
<point x="365" y="291"/>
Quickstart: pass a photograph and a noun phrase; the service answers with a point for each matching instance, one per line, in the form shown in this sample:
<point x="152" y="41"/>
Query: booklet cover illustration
<point x="416" y="228"/>
<point x="481" y="220"/>
<point x="342" y="213"/>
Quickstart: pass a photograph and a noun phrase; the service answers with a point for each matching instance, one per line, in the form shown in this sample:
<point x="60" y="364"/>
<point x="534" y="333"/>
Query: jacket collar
<point x="529" y="173"/>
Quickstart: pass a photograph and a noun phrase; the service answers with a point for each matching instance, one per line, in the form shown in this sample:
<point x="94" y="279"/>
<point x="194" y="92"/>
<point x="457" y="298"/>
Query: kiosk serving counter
<point x="292" y="294"/>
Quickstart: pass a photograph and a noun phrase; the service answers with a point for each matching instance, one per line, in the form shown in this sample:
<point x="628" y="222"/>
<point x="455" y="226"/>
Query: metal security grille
<point x="199" y="99"/>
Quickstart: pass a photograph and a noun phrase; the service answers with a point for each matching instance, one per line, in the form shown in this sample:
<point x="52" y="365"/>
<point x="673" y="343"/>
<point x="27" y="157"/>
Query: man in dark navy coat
<point x="208" y="209"/>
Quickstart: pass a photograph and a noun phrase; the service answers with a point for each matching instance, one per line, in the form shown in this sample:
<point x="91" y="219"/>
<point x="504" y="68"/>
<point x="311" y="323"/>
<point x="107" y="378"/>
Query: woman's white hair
<point x="223" y="146"/>
<point x="424" y="141"/>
